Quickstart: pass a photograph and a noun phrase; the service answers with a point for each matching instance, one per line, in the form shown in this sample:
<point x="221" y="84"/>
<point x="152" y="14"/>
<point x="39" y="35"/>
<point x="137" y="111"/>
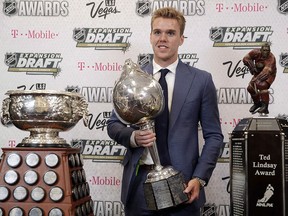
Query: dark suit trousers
<point x="136" y="205"/>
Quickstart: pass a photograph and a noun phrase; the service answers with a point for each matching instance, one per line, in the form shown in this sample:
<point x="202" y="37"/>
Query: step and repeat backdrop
<point x="81" y="46"/>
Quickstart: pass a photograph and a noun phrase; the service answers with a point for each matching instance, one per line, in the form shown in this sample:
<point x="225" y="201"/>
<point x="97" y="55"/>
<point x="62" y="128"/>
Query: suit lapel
<point x="182" y="85"/>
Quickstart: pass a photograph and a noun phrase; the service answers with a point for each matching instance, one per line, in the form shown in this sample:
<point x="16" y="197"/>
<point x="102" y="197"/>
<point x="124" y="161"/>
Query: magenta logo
<point x="34" y="34"/>
<point x="104" y="180"/>
<point x="240" y="7"/>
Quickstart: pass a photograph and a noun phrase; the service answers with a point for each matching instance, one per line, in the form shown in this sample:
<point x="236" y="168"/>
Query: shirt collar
<point x="171" y="67"/>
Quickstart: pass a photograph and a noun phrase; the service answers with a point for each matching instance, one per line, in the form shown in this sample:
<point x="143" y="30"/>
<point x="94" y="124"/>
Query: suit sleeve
<point x="211" y="130"/>
<point x="118" y="131"/>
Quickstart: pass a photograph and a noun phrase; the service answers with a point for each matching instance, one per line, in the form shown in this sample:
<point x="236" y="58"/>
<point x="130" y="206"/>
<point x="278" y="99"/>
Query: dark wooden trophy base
<point x="43" y="181"/>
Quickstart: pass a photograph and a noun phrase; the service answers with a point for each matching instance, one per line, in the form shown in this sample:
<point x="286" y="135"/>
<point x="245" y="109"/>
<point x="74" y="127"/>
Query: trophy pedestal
<point x="165" y="193"/>
<point x="43" y="181"/>
<point x="259" y="167"/>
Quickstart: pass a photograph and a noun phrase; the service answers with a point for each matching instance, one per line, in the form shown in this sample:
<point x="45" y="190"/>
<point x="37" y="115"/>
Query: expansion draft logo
<point x="103" y="38"/>
<point x="187" y="58"/>
<point x="240" y="37"/>
<point x="100" y="150"/>
<point x="34" y="63"/>
<point x="187" y="7"/>
<point x="283" y="6"/>
<point x="35" y="8"/>
<point x="284" y="61"/>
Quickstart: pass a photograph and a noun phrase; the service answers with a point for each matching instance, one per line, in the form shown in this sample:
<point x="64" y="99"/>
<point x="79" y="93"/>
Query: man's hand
<point x="193" y="189"/>
<point x="145" y="138"/>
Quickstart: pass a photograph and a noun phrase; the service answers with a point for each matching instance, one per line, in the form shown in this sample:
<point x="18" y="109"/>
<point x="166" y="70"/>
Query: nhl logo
<point x="10" y="59"/>
<point x="209" y="209"/>
<point x="144" y="59"/>
<point x="9" y="7"/>
<point x="74" y="89"/>
<point x="79" y="35"/>
<point x="216" y="34"/>
<point x="143" y="8"/>
<point x="283" y="6"/>
<point x="284" y="61"/>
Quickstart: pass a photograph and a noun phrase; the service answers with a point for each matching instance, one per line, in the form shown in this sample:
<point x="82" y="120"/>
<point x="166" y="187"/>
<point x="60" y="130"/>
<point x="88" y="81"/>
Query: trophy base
<point x="165" y="193"/>
<point x="44" y="181"/>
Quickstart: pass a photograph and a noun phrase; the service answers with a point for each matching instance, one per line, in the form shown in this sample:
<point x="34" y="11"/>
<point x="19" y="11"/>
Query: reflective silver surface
<point x="17" y="211"/>
<point x="38" y="194"/>
<point x="4" y="193"/>
<point x="55" y="212"/>
<point x="137" y="96"/>
<point x="14" y="160"/>
<point x="51" y="160"/>
<point x="56" y="194"/>
<point x="50" y="177"/>
<point x="30" y="177"/>
<point x="32" y="160"/>
<point x="11" y="177"/>
<point x="43" y="113"/>
<point x="20" y="193"/>
<point x="35" y="212"/>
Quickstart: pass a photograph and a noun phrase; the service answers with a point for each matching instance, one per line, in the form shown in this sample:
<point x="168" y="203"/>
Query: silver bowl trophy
<point x="43" y="175"/>
<point x="44" y="114"/>
<point x="138" y="99"/>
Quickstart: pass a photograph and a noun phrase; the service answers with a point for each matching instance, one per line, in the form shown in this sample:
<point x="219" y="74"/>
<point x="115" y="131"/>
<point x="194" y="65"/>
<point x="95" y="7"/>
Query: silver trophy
<point x="138" y="99"/>
<point x="44" y="113"/>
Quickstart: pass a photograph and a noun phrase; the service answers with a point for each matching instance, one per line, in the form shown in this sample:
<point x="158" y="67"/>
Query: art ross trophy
<point x="138" y="99"/>
<point x="44" y="113"/>
<point x="43" y="174"/>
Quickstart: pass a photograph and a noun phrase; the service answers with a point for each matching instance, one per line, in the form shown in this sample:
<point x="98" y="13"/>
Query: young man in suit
<point x="191" y="100"/>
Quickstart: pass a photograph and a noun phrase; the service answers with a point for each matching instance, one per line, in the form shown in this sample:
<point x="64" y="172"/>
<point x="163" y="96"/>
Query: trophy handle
<point x="149" y="125"/>
<point x="85" y="111"/>
<point x="5" y="115"/>
<point x="81" y="110"/>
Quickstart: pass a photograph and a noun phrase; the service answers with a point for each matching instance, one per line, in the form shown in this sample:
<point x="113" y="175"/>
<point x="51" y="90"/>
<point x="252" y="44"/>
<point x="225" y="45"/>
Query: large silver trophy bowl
<point x="138" y="99"/>
<point x="44" y="113"/>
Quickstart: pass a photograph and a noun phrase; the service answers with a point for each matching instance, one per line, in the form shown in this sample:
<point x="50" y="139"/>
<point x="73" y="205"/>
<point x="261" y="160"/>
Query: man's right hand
<point x="144" y="138"/>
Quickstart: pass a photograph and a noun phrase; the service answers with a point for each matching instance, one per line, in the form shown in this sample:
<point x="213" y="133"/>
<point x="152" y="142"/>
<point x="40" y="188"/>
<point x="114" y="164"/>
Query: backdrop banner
<point x="81" y="46"/>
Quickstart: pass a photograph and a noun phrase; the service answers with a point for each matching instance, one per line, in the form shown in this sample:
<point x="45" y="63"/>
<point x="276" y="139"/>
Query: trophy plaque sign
<point x="137" y="100"/>
<point x="259" y="167"/>
<point x="43" y="175"/>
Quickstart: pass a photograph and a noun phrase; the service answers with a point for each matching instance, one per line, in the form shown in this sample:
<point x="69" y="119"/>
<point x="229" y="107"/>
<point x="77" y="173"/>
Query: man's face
<point x="165" y="39"/>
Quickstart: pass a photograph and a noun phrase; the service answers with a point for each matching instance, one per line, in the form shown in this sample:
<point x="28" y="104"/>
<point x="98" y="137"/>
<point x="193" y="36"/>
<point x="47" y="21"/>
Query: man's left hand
<point x="193" y="190"/>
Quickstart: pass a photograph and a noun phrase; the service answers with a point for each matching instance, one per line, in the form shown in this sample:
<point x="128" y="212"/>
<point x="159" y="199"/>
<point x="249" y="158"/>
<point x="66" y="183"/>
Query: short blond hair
<point x="171" y="13"/>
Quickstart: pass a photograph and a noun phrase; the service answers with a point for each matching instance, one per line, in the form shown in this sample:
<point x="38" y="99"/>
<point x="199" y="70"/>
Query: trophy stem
<point x="149" y="125"/>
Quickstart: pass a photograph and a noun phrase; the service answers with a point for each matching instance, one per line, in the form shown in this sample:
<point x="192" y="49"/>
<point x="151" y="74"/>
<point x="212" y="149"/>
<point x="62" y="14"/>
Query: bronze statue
<point x="262" y="65"/>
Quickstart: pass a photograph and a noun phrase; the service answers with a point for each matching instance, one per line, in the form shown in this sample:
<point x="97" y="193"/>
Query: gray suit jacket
<point x="194" y="101"/>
